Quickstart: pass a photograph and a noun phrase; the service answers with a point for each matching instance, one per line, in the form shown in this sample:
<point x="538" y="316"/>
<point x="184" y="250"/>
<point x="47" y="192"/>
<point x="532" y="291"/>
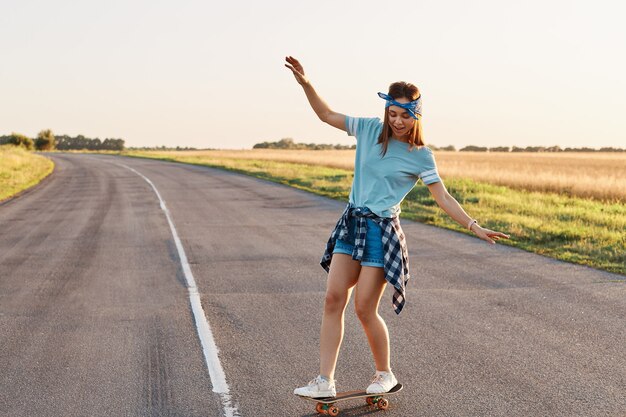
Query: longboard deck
<point x="327" y="405"/>
<point x="342" y="396"/>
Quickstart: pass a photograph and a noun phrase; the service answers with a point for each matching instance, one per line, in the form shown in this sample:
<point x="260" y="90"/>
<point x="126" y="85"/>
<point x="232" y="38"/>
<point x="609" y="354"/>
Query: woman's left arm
<point x="454" y="210"/>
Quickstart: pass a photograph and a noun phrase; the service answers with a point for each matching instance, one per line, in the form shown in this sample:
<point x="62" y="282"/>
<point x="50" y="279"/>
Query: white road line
<point x="216" y="372"/>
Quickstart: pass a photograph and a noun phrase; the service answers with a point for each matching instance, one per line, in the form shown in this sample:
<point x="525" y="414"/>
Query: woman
<point x="367" y="247"/>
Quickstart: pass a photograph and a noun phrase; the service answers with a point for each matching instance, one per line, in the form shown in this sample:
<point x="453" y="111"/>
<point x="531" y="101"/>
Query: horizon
<point x="212" y="76"/>
<point x="437" y="147"/>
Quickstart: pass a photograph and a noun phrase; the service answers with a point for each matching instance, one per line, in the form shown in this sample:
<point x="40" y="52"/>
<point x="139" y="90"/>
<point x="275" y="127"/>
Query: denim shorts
<point x="373" y="253"/>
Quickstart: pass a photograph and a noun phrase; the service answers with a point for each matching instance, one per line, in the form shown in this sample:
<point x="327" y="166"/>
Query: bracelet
<point x="471" y="223"/>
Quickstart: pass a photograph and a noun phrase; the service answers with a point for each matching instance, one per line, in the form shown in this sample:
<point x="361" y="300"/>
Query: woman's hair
<point x="410" y="92"/>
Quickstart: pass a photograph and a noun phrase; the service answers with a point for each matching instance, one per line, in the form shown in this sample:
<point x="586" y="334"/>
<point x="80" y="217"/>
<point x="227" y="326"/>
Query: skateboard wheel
<point x="370" y="400"/>
<point x="383" y="404"/>
<point x="320" y="408"/>
<point x="333" y="411"/>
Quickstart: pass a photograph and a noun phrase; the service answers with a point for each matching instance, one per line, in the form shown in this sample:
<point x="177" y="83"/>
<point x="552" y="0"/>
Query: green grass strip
<point x="581" y="231"/>
<point x="20" y="170"/>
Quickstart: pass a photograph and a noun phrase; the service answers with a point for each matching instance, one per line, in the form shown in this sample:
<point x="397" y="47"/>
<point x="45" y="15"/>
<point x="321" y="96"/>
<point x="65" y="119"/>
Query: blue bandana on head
<point x="414" y="108"/>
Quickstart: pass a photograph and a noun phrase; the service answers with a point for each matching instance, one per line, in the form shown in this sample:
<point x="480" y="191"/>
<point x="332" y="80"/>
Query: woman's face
<point x="400" y="120"/>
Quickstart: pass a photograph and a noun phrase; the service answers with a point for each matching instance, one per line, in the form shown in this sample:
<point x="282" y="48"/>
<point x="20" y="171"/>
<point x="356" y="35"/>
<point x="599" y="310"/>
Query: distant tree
<point x="517" y="149"/>
<point x="584" y="149"/>
<point x="23" y="141"/>
<point x="472" y="148"/>
<point x="94" y="144"/>
<point x="113" y="144"/>
<point x="288" y="143"/>
<point x="554" y="149"/>
<point x="45" y="141"/>
<point x="535" y="149"/>
<point x="81" y="142"/>
<point x="285" y="143"/>
<point x="448" y="148"/>
<point x="152" y="148"/>
<point x="500" y="149"/>
<point x="65" y="142"/>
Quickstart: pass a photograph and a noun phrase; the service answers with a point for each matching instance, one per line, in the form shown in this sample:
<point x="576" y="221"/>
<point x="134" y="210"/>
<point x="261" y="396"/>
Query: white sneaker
<point x="382" y="382"/>
<point x="317" y="388"/>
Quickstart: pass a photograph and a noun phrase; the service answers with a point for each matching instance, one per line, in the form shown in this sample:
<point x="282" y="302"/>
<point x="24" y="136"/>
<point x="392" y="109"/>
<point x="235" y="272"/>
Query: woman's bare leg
<point x="369" y="290"/>
<point x="343" y="275"/>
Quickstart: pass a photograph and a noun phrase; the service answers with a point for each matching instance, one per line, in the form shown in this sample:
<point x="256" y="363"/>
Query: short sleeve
<point x="361" y="126"/>
<point x="351" y="125"/>
<point x="428" y="168"/>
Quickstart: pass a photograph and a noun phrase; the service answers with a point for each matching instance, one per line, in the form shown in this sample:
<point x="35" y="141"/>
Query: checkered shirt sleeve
<point x="396" y="256"/>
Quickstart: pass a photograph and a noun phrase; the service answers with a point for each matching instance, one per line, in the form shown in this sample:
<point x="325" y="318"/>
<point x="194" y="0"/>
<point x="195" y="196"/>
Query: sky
<point x="210" y="74"/>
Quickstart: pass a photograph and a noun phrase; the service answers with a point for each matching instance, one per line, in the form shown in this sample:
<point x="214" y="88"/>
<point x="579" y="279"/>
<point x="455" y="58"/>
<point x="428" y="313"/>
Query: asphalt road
<point x="95" y="317"/>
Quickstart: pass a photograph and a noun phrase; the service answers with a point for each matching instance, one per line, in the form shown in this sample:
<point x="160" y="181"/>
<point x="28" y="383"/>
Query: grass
<point x="584" y="231"/>
<point x="20" y="170"/>
<point x="601" y="176"/>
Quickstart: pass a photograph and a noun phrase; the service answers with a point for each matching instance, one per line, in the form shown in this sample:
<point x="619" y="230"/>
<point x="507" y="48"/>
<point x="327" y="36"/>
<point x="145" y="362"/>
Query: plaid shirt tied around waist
<point x="396" y="259"/>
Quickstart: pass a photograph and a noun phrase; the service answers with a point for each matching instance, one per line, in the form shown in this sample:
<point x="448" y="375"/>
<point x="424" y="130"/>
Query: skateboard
<point x="327" y="405"/>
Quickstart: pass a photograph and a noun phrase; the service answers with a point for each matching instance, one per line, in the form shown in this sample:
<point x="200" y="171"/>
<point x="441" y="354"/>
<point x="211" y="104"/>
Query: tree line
<point x="166" y="148"/>
<point x="288" y="143"/>
<point x="472" y="148"/>
<point x="47" y="141"/>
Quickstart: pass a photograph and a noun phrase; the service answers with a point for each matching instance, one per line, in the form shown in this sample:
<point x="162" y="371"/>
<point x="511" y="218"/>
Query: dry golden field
<point x="596" y="175"/>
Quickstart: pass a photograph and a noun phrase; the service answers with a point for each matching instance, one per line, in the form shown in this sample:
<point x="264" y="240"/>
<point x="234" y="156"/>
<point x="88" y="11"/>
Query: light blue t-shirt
<point x="381" y="183"/>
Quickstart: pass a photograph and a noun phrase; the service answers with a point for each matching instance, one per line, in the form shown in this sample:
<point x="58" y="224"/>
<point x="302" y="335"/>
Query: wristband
<point x="471" y="223"/>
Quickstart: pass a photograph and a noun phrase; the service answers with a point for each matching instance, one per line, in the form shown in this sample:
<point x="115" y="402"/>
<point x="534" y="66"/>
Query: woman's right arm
<point x="319" y="106"/>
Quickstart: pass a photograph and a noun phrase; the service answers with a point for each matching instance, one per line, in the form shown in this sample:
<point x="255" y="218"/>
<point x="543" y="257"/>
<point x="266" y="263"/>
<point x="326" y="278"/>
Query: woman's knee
<point x="335" y="302"/>
<point x="366" y="312"/>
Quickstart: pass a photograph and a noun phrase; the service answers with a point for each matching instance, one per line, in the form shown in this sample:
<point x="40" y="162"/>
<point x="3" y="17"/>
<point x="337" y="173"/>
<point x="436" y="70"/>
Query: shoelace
<point x="317" y="380"/>
<point x="377" y="379"/>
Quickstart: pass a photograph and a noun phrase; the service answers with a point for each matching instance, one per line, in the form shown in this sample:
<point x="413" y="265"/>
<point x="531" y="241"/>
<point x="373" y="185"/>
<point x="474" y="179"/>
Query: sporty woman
<point x="367" y="248"/>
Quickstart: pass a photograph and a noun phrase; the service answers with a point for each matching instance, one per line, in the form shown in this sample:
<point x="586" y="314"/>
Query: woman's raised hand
<point x="297" y="69"/>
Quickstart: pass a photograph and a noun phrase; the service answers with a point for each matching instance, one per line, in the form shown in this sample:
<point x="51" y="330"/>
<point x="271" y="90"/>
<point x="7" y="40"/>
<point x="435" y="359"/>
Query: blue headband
<point x="414" y="107"/>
